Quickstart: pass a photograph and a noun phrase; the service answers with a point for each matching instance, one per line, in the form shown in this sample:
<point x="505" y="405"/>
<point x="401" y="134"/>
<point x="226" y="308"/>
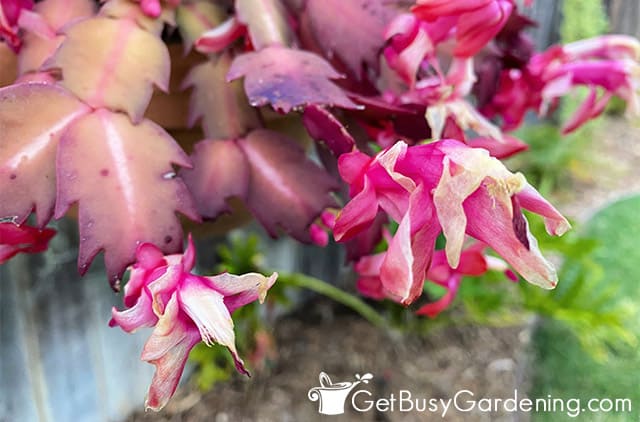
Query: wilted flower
<point x="185" y="309"/>
<point x="606" y="65"/>
<point x="449" y="187"/>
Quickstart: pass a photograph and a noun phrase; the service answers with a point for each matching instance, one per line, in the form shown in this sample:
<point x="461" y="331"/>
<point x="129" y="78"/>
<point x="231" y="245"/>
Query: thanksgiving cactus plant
<point x="411" y="105"/>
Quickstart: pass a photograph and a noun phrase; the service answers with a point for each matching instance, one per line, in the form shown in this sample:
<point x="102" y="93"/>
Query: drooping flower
<point x="606" y="65"/>
<point x="15" y="238"/>
<point x="449" y="187"/>
<point x="185" y="309"/>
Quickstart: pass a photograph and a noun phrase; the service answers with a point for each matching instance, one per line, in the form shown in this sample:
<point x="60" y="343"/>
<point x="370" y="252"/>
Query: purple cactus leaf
<point x="288" y="78"/>
<point x="122" y="178"/>
<point x="286" y="189"/>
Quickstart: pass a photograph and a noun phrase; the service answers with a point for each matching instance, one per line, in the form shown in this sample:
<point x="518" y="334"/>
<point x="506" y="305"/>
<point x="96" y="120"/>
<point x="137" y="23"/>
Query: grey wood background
<point x="59" y="361"/>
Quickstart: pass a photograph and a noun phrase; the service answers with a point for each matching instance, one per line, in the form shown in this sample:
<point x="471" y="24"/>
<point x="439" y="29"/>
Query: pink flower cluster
<point x="185" y="309"/>
<point x="443" y="187"/>
<point x="606" y="66"/>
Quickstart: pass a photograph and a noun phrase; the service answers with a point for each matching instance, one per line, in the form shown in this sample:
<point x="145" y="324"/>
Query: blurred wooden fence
<point x="59" y="361"/>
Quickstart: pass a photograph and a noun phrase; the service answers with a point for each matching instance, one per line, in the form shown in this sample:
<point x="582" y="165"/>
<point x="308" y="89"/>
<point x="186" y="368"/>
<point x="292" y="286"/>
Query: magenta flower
<point x="185" y="309"/>
<point x="447" y="187"/>
<point x="15" y="239"/>
<point x="409" y="45"/>
<point x="473" y="22"/>
<point x="606" y="65"/>
<point x="10" y="11"/>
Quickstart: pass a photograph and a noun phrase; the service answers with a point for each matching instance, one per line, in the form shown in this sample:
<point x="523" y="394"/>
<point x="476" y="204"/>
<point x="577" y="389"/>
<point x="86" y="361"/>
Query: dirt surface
<point x="490" y="362"/>
<point x="485" y="361"/>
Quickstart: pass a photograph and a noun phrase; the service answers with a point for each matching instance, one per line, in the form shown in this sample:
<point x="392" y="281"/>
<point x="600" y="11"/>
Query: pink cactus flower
<point x="185" y="309"/>
<point x="606" y="65"/>
<point x="15" y="239"/>
<point x="474" y="22"/>
<point x="449" y="187"/>
<point x="409" y="45"/>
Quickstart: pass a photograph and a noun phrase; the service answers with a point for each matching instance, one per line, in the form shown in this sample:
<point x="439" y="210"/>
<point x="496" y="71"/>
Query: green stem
<point x="332" y="292"/>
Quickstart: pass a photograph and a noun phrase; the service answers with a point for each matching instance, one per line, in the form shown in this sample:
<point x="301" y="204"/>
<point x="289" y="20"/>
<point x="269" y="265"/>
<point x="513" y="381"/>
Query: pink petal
<point x="318" y="235"/>
<point x="189" y="257"/>
<point x="477" y="28"/>
<point x="357" y="214"/>
<point x="15" y="239"/>
<point x="434" y="9"/>
<point x="409" y="254"/>
<point x="472" y="262"/>
<point x="238" y="290"/>
<point x="139" y="315"/>
<point x="554" y="222"/>
<point x="589" y="109"/>
<point x="220" y="37"/>
<point x="168" y="349"/>
<point x="352" y="166"/>
<point x="509" y="147"/>
<point x="507" y="232"/>
<point x="371" y="287"/>
<point x="410" y="44"/>
<point x="206" y="308"/>
<point x="434" y="308"/>
<point x="448" y="198"/>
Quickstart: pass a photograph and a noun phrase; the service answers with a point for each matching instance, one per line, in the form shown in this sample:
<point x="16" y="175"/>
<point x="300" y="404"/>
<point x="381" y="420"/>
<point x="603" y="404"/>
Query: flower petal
<point x="357" y="214"/>
<point x="405" y="265"/>
<point x="139" y="315"/>
<point x="555" y="223"/>
<point x="168" y="349"/>
<point x="492" y="222"/>
<point x="434" y="308"/>
<point x="207" y="310"/>
<point x="238" y="290"/>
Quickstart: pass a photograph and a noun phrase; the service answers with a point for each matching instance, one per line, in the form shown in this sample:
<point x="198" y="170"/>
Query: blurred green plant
<point x="582" y="19"/>
<point x="570" y="364"/>
<point x="584" y="303"/>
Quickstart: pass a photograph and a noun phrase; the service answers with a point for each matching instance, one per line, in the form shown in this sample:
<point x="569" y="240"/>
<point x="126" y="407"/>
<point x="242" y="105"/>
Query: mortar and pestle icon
<point x="333" y="396"/>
